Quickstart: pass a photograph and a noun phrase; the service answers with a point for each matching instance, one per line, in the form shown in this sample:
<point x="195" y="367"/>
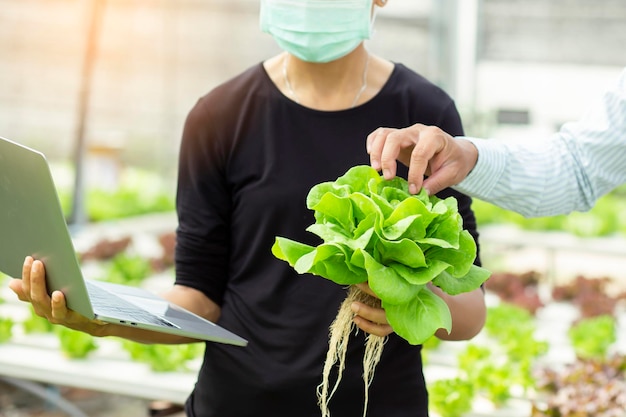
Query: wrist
<point x="470" y="152"/>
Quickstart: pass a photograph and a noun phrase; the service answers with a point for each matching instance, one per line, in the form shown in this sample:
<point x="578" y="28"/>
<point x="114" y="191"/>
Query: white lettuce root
<point x="340" y="331"/>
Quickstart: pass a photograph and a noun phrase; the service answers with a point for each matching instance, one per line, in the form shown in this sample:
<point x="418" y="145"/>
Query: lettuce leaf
<point x="374" y="230"/>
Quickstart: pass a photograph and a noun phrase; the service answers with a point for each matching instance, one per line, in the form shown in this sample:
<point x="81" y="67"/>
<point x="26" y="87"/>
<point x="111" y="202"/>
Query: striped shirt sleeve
<point x="566" y="172"/>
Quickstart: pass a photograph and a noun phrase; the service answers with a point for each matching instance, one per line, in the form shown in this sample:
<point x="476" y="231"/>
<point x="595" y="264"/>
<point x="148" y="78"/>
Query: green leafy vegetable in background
<point x="106" y="205"/>
<point x="451" y="397"/>
<point x="75" y="344"/>
<point x="128" y="269"/>
<point x="494" y="370"/>
<point x="164" y="358"/>
<point x="36" y="324"/>
<point x="592" y="337"/>
<point x="6" y="329"/>
<point x="139" y="192"/>
<point x="6" y="323"/>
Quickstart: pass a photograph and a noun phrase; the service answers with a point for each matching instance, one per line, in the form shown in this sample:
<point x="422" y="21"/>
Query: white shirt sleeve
<point x="566" y="172"/>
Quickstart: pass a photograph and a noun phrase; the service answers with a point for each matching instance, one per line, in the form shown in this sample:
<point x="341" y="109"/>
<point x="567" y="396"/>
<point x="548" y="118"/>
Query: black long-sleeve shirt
<point x="248" y="158"/>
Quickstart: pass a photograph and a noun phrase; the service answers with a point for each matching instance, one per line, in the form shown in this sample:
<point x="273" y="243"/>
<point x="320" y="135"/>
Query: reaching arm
<point x="566" y="172"/>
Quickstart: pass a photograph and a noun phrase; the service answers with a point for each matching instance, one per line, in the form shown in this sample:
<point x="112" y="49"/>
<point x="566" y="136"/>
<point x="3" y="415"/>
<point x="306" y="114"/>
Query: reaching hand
<point x="426" y="150"/>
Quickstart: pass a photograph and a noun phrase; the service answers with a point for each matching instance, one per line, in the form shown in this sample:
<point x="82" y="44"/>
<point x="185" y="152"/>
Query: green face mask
<point x="317" y="30"/>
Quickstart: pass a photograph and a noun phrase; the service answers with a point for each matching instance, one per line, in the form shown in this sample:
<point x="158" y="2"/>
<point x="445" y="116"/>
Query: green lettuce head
<point x="374" y="230"/>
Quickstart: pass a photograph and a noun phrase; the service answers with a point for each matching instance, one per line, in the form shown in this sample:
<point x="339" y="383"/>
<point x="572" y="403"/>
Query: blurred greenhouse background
<point x="512" y="66"/>
<point x="103" y="87"/>
<point x="531" y="63"/>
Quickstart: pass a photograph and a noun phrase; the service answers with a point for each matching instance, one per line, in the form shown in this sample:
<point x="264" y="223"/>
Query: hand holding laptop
<point x="32" y="289"/>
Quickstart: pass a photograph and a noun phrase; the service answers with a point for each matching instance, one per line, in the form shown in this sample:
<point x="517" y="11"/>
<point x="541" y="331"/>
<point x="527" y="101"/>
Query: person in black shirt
<point x="251" y="150"/>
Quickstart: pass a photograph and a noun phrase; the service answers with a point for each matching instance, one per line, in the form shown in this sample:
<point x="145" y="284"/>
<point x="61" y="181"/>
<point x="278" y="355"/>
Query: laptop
<point x="32" y="223"/>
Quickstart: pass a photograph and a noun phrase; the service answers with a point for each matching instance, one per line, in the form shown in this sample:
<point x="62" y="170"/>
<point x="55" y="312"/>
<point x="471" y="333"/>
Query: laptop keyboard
<point x="108" y="304"/>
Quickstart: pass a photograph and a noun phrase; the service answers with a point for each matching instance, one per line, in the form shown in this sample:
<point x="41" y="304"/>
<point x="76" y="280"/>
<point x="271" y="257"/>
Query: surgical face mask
<point x="317" y="30"/>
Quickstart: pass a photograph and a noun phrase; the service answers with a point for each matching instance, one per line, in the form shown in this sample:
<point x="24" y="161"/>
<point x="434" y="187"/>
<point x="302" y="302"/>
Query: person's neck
<point x="327" y="86"/>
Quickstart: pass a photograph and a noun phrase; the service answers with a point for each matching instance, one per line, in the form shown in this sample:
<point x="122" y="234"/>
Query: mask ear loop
<point x="374" y="14"/>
